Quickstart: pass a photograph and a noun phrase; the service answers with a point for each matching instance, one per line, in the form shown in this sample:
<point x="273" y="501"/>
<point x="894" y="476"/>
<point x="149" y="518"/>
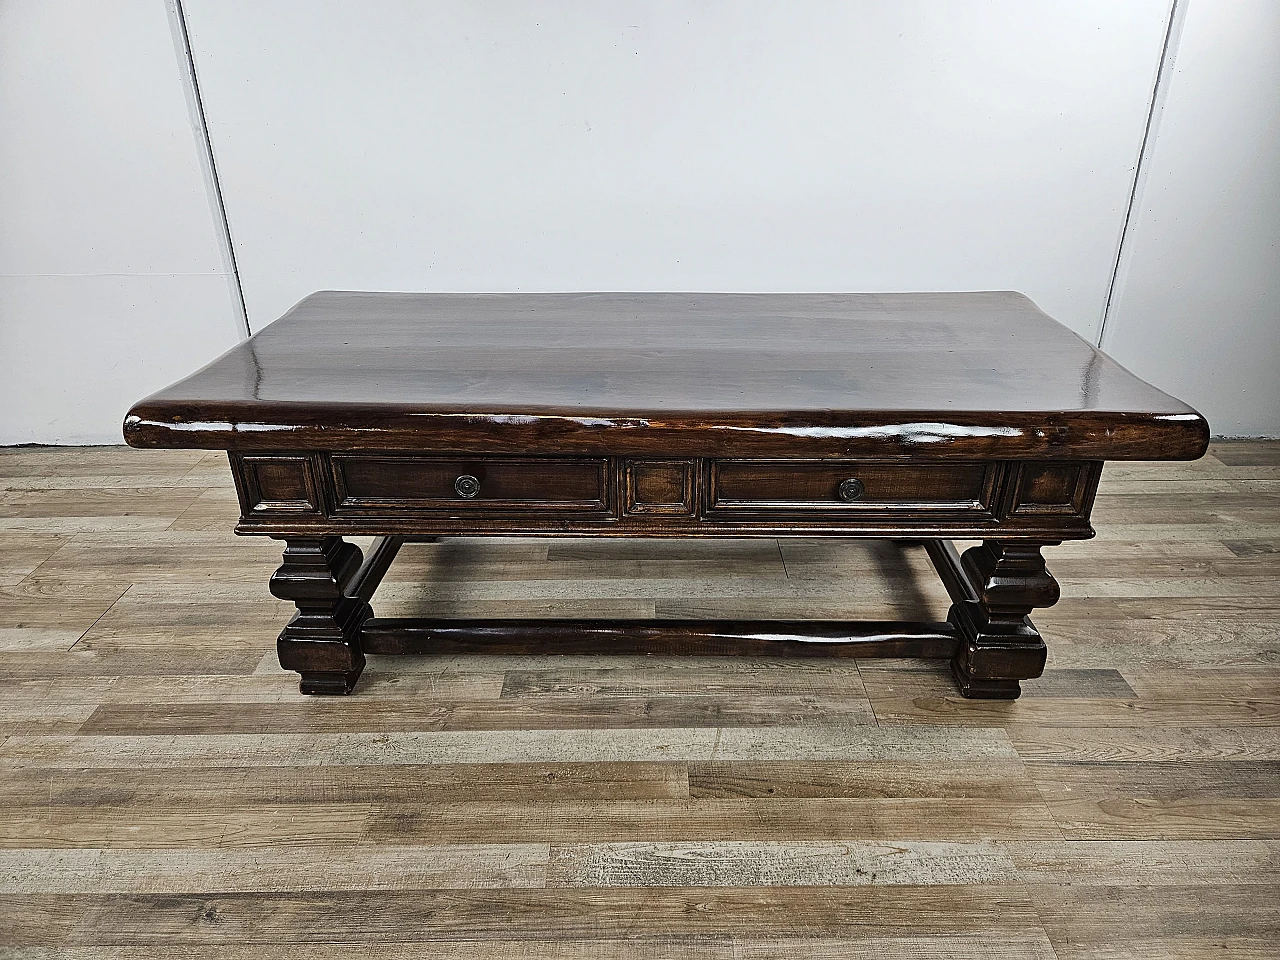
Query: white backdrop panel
<point x="1197" y="308"/>
<point x="746" y="146"/>
<point x="112" y="277"/>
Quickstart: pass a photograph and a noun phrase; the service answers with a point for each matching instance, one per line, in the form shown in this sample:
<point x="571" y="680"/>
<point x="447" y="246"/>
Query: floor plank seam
<point x="89" y="628"/>
<point x="71" y="541"/>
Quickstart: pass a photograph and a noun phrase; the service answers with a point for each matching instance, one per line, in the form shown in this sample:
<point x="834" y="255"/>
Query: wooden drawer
<point x="367" y="485"/>
<point x="840" y="488"/>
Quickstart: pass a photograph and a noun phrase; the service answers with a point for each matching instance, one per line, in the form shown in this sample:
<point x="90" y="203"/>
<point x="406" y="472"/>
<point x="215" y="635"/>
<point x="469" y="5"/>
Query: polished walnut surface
<point x="940" y="375"/>
<point x="908" y="416"/>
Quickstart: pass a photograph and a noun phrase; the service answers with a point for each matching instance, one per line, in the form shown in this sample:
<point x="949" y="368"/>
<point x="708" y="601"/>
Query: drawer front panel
<point x="500" y="486"/>
<point x="845" y="487"/>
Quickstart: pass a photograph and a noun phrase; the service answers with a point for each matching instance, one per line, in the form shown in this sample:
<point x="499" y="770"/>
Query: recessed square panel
<point x="279" y="485"/>
<point x="659" y="487"/>
<point x="1063" y="489"/>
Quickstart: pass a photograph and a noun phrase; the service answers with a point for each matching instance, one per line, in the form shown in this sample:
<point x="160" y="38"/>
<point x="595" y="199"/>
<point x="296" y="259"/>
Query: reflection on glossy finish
<point x="825" y="374"/>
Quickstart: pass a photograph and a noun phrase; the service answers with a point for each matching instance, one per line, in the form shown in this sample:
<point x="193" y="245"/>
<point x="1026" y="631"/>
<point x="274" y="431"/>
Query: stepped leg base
<point x="983" y="688"/>
<point x="329" y="683"/>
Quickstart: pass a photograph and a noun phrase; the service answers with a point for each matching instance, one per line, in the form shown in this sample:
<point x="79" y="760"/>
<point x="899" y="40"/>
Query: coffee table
<point x="919" y="417"/>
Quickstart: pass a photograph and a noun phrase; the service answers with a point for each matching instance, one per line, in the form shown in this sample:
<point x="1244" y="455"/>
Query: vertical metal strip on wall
<point x="1168" y="53"/>
<point x="195" y="105"/>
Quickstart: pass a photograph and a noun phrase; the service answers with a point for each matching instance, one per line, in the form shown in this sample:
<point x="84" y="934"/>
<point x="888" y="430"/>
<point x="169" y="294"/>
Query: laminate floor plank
<point x="993" y="779"/>
<point x="138" y="623"/>
<point x="399" y="784"/>
<point x="1207" y="585"/>
<point x="96" y="665"/>
<point x="1259" y="453"/>
<point x="565" y="913"/>
<point x="855" y="743"/>
<point x="1191" y="504"/>
<point x="1186" y="799"/>
<point x="215" y="509"/>
<point x="19" y="556"/>
<point x="1083" y="913"/>
<point x="162" y="555"/>
<point x="273" y="869"/>
<point x="42" y="719"/>
<point x="1123" y="744"/>
<point x="715" y="819"/>
<point x="280" y="687"/>
<point x="1175" y="948"/>
<point x="1207" y="468"/>
<point x="158" y="826"/>
<point x="1156" y="682"/>
<point x="461" y="569"/>
<point x="1154" y="486"/>
<point x="1031" y="944"/>
<point x="118" y="525"/>
<point x="1064" y="780"/>
<point x="168" y="502"/>
<point x="102" y="478"/>
<point x="1127" y="863"/>
<point x="805" y="606"/>
<point x="932" y="678"/>
<point x="738" y="863"/>
<point x="906" y="706"/>
<point x="1146" y="819"/>
<point x="1088" y="569"/>
<point x="1156" y="644"/>
<point x="1254" y="547"/>
<point x="46" y="617"/>
<point x="726" y="591"/>
<point x="547" y="605"/>
<point x="403" y="715"/>
<point x="167" y="793"/>
<point x="1227" y="610"/>
<point x="60" y="461"/>
<point x="821" y="679"/>
<point x="1175" y="532"/>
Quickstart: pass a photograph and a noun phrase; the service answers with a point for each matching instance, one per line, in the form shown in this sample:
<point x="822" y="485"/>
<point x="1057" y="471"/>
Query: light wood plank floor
<point x="166" y="792"/>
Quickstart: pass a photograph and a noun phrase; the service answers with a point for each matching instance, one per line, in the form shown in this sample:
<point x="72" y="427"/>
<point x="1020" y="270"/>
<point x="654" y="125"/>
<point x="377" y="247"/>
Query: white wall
<point x="731" y="145"/>
<point x="1198" y="303"/>
<point x="112" y="280"/>
<point x="807" y="145"/>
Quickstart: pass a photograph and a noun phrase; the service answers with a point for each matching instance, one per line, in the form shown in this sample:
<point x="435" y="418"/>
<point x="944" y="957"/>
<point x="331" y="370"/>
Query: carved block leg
<point x="999" y="645"/>
<point x="322" y="641"/>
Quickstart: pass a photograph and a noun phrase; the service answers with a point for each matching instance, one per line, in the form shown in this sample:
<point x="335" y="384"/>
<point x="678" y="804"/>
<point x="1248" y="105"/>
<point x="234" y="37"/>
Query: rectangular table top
<point x="933" y="375"/>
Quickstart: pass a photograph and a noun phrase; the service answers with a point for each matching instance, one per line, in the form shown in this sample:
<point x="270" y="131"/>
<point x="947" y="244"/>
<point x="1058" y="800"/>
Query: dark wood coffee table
<point x="904" y="416"/>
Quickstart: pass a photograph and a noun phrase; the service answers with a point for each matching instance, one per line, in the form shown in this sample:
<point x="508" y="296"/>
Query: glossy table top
<point x="527" y="370"/>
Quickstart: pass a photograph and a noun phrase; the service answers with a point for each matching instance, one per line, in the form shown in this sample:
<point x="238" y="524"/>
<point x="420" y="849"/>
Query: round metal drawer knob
<point x="467" y="487"/>
<point x="851" y="489"/>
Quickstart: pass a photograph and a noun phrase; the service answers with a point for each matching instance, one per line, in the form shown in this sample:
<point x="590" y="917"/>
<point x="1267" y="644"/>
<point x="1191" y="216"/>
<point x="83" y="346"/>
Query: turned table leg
<point x="322" y="641"/>
<point x="998" y="644"/>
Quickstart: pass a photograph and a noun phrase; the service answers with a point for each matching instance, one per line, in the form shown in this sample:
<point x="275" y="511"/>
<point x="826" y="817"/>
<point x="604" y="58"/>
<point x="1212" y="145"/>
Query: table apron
<point x="431" y="494"/>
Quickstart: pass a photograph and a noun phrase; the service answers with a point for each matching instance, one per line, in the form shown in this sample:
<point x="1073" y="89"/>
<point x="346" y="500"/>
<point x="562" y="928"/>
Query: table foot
<point x="325" y="683"/>
<point x="998" y="643"/>
<point x="992" y="589"/>
<point x="980" y="688"/>
<point x="322" y="641"/>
